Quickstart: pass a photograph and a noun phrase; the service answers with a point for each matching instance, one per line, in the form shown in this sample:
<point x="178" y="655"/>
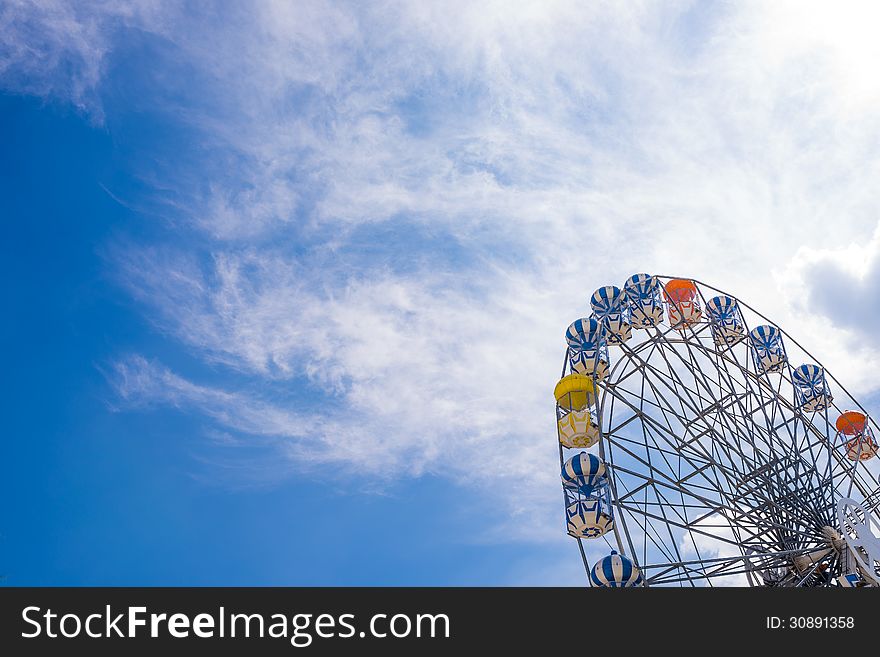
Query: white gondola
<point x="611" y="309"/>
<point x="767" y="349"/>
<point x="587" y="348"/>
<point x="578" y="430"/>
<point x="812" y="390"/>
<point x="615" y="571"/>
<point x="728" y="327"/>
<point x="643" y="298"/>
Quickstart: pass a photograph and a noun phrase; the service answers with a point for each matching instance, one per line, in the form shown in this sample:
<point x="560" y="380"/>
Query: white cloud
<point x="57" y="49"/>
<point x="139" y="381"/>
<point x="396" y="387"/>
<point x="835" y="292"/>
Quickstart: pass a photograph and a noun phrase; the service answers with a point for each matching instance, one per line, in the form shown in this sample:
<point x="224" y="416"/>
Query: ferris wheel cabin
<point x="615" y="571"/>
<point x="611" y="309"/>
<point x="683" y="302"/>
<point x="587" y="348"/>
<point x="767" y="349"/>
<point x="585" y="481"/>
<point x="811" y="388"/>
<point x="853" y="427"/>
<point x="728" y="327"/>
<point x="643" y="298"/>
<point x="575" y="426"/>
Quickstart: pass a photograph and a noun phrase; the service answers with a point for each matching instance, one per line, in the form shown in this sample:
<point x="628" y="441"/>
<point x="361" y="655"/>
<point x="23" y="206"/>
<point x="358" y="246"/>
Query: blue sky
<point x="287" y="282"/>
<point x="107" y="495"/>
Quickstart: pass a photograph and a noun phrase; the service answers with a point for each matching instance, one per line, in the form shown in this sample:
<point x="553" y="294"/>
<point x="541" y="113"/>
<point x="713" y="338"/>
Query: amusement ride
<point x="702" y="446"/>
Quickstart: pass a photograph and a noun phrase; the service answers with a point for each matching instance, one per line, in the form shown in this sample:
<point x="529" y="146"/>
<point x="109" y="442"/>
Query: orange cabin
<point x="683" y="303"/>
<point x="860" y="444"/>
<point x="851" y="423"/>
<point x="680" y="290"/>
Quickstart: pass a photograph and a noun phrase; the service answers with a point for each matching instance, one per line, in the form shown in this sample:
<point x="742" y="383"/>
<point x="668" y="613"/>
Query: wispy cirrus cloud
<point x="59" y="50"/>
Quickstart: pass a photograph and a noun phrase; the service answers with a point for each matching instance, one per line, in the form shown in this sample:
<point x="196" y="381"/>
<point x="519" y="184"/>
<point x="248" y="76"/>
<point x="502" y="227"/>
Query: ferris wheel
<point x="700" y="445"/>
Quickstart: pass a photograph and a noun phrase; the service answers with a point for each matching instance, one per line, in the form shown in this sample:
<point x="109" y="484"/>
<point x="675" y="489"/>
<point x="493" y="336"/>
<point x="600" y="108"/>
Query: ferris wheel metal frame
<point x="771" y="475"/>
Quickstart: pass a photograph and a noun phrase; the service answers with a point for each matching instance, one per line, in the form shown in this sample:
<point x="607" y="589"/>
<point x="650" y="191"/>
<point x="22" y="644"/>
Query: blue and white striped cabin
<point x="727" y="324"/>
<point x="768" y="350"/>
<point x="811" y="388"/>
<point x="588" y="506"/>
<point x="587" y="348"/>
<point x="615" y="571"/>
<point x="611" y="309"/>
<point x="643" y="297"/>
